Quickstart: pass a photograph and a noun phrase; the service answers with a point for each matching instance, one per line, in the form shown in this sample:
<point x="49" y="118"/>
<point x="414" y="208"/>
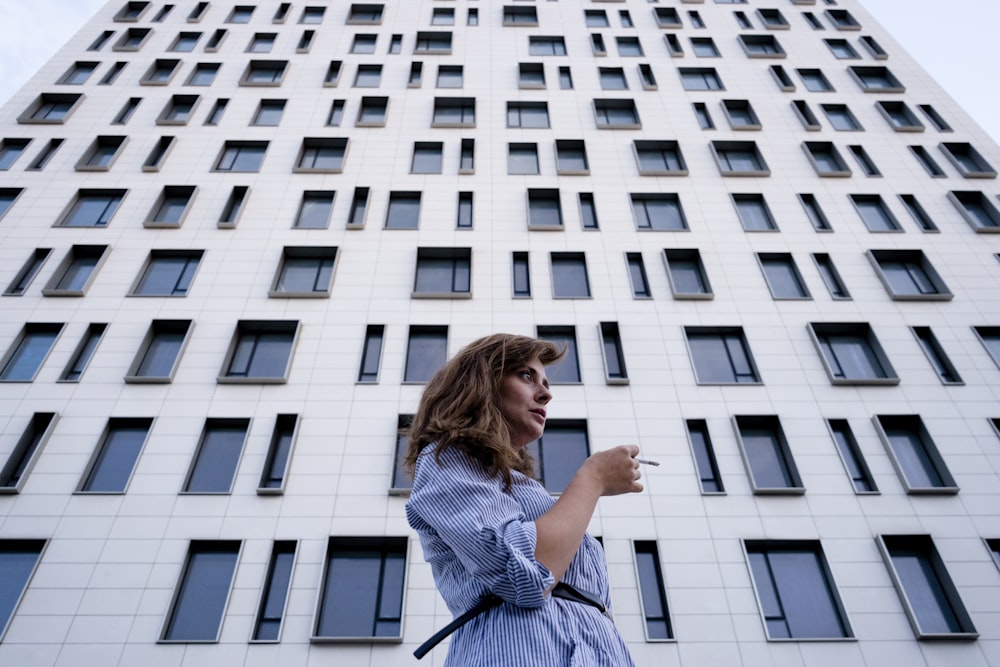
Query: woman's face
<point x="523" y="396"/>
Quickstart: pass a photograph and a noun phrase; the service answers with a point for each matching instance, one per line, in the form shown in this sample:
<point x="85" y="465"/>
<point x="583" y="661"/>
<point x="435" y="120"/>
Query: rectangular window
<point x="530" y="75"/>
<point x="28" y="351"/>
<point x="102" y="153"/>
<point x="658" y="212"/>
<point x="815" y="81"/>
<point x="274" y="596"/>
<point x="158" y="155"/>
<point x="629" y="46"/>
<point x="92" y="208"/>
<point x="977" y="209"/>
<point x="926" y="591"/>
<point x="51" y="108"/>
<point x="741" y="115"/>
<point x="305" y="271"/>
<point x="160" y="351"/>
<point x="704" y="47"/>
<point x="875" y="214"/>
<point x="520" y="275"/>
<point x="401" y="483"/>
<point x="826" y="159"/>
<point x="10" y="150"/>
<point x="851" y="456"/>
<point x="739" y="158"/>
<point x="262" y="42"/>
<point x="167" y="273"/>
<point x="268" y="113"/>
<point x="527" y="114"/>
<point x="18" y="559"/>
<point x="876" y="79"/>
<point x="185" y="42"/>
<point x="703" y="116"/>
<point x="569" y="276"/>
<point x="312" y="15"/>
<point x="565" y="78"/>
<point x="908" y="275"/>
<point x="171" y="207"/>
<point x="202" y="592"/>
<point x="588" y="211"/>
<point x="659" y="158"/>
<point x="703" y="453"/>
<point x="522" y="159"/>
<point x="721" y="355"/>
<point x="899" y="116"/>
<point x="240" y="14"/>
<point x="214" y="116"/>
<point x="754" y="213"/>
<point x="19" y="285"/>
<point x="927" y="162"/>
<point x="464" y="217"/>
<point x="132" y="39"/>
<point x="261" y="351"/>
<point x="571" y="157"/>
<point x="364" y="44"/>
<point x="274" y="475"/>
<point x="22" y="459"/>
<point x="559" y="453"/>
<point x="967" y="160"/>
<point x="454" y="112"/>
<point x="795" y="590"/>
<point x="321" y="155"/>
<point x="782" y="276"/>
<point x="567" y="369"/>
<point x="700" y="78"/>
<point x="761" y="46"/>
<point x="371" y="353"/>
<point x="426" y="352"/>
<point x="806" y="115"/>
<point x="780" y="76"/>
<point x="427" y="156"/>
<point x="990" y="338"/>
<point x="370" y="572"/>
<point x="841" y="118"/>
<point x="215" y="41"/>
<point x="544" y="209"/>
<point x="433" y="42"/>
<point x="815" y="213"/>
<point x="831" y="277"/>
<point x="919" y="464"/>
<point x="315" y="209"/>
<point x="403" y="211"/>
<point x="443" y="272"/>
<point x="234" y="207"/>
<point x="541" y="45"/>
<point x="117" y="453"/>
<point x="936" y="355"/>
<point x="217" y="457"/>
<point x="936" y="119"/>
<point x="595" y="18"/>
<point x="652" y="592"/>
<point x="77" y="271"/>
<point x="864" y="160"/>
<point x="514" y="15"/>
<point x="852" y="354"/>
<point x="616" y="115"/>
<point x="450" y="76"/>
<point x="767" y="456"/>
<point x="637" y="276"/>
<point x="613" y="354"/>
<point x="365" y="14"/>
<point x="687" y="274"/>
<point x="84" y="352"/>
<point x="372" y="112"/>
<point x="359" y="208"/>
<point x="241" y="156"/>
<point x="264" y="73"/>
<point x="45" y="155"/>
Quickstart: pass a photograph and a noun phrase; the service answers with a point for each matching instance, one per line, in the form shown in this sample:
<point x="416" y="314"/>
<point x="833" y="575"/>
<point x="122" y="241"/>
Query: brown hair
<point x="460" y="406"/>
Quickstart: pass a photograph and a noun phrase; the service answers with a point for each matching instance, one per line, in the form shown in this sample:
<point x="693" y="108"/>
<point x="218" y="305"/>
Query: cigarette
<point x="647" y="462"/>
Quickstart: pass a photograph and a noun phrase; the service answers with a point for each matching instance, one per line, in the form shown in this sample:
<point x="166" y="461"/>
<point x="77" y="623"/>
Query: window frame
<point x="232" y="548"/>
<point x="75" y="253"/>
<point x="103" y="450"/>
<point x="433" y="259"/>
<point x="782" y="453"/>
<point x="243" y="328"/>
<point x="920" y="260"/>
<point x="825" y="334"/>
<point x="728" y="336"/>
<point x="692" y="255"/>
<point x="320" y="253"/>
<point x="928" y="458"/>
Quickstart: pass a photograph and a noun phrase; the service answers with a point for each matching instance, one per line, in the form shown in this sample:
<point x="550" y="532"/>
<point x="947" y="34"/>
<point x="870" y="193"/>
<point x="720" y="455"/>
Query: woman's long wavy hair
<point x="460" y="406"/>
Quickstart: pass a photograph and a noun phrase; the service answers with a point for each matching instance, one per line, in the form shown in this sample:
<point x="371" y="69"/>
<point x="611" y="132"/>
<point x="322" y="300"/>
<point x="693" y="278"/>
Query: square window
<point x="629" y="46"/>
<point x="612" y="78"/>
<point x="851" y="354"/>
<point x="530" y="75"/>
<point x="178" y="110"/>
<point x="754" y="213"/>
<point x="687" y="274"/>
<point x="324" y="155"/>
<point x="450" y="76"/>
<point x="454" y="112"/>
<point x="527" y="114"/>
<point x="160" y="351"/>
<point x="171" y="207"/>
<point x="262" y="42"/>
<point x="773" y="19"/>
<point x="919" y="464"/>
<point x="443" y="272"/>
<point x="569" y="276"/>
<point x="767" y="456"/>
<point x="721" y="355"/>
<point x="782" y="276"/>
<point x="28" y="351"/>
<point x="659" y="158"/>
<point x="571" y="157"/>
<point x="559" y="452"/>
<point x="826" y="159"/>
<point x="815" y="81"/>
<point x="269" y="113"/>
<point x="305" y="271"/>
<point x="908" y="275"/>
<point x="522" y="159"/>
<point x="202" y="592"/>
<point x="704" y="47"/>
<point x="364" y="44"/>
<point x="92" y="208"/>
<point x="544" y="209"/>
<point x="426" y="352"/>
<point x="595" y="18"/>
<point x="741" y="115"/>
<point x="203" y="74"/>
<point x="261" y="352"/>
<point x="739" y="158"/>
<point x="372" y="112"/>
<point x="77" y="271"/>
<point x="841" y="118"/>
<point x="167" y="273"/>
<point x="315" y="209"/>
<point x="403" y="211"/>
<point x="426" y="157"/>
<point x="443" y="16"/>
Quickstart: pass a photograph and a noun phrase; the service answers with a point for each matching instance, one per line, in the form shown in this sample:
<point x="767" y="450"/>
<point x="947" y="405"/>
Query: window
<point x="703" y="116"/>
<point x="704" y="47"/>
<point x="908" y="275"/>
<point x="234" y="207"/>
<point x="841" y="49"/>
<point x="426" y="352"/>
<point x="403" y="211"/>
<point x="994" y="545"/>
<point x="876" y="79"/>
<point x="426" y="157"/>
<point x="113" y="73"/>
<point x="613" y="354"/>
<point x="132" y="39"/>
<point x="73" y="276"/>
<point x="19" y="464"/>
<point x="45" y="155"/>
<point x="274" y="596"/>
<point x="178" y="110"/>
<point x="637" y="276"/>
<point x="363" y="44"/>
<point x="658" y="212"/>
<point x="767" y="456"/>
<point x="241" y="156"/>
<point x="652" y="592"/>
<point x="281" y="13"/>
<point x="781" y="78"/>
<point x="851" y="456"/>
<point x="754" y="213"/>
<point x="443" y="272"/>
<point x="761" y="46"/>
<point x="131" y="11"/>
<point x="370" y="572"/>
<point x="720" y="355"/>
<point x="18" y="559"/>
<point x="7" y="198"/>
<point x="84" y="351"/>
<point x="990" y="338"/>
<point x="113" y="462"/>
<point x="323" y="155"/>
<point x="741" y="115"/>
<point x="215" y="41"/>
<point x="700" y="78"/>
<point x="264" y="73"/>
<point x="261" y="351"/>
<point x="217" y="457"/>
<point x="215" y="115"/>
<point x="544" y="209"/>
<point x="203" y="74"/>
<point x="449" y="76"/>
<point x="826" y="159"/>
<point x="588" y="211"/>
<point x="515" y="15"/>
<point x="202" y="592"/>
<point x="616" y="114"/>
<point x="917" y="212"/>
<point x="875" y="214"/>
<point x="371" y="353"/>
<point x="659" y="158"/>
<point x="927" y="162"/>
<point x="612" y="78"/>
<point x="520" y="275"/>
<point x="262" y="42"/>
<point x="78" y="73"/>
<point x="167" y="273"/>
<point x="546" y="46"/>
<point x="795" y="590"/>
<point x="269" y="113"/>
<point x="851" y="354"/>
<point x="938" y="121"/>
<point x="92" y="208"/>
<point x="569" y="276"/>
<point x="101" y="40"/>
<point x="967" y="160"/>
<point x="703" y="453"/>
<point x="527" y="114"/>
<point x="126" y="111"/>
<point x="530" y="75"/>
<point x="815" y="81"/>
<point x="433" y="42"/>
<point x="773" y="19"/>
<point x="395" y="44"/>
<point x="571" y="157"/>
<point x="336" y="115"/>
<point x="741" y="18"/>
<point x="304" y="272"/>
<point x="454" y="112"/>
<point x="240" y="14"/>
<point x="312" y="15"/>
<point x="567" y="369"/>
<point x="185" y="42"/>
<point x="977" y="209"/>
<point x="365" y="13"/>
<point x="198" y="12"/>
<point x="28" y="271"/>
<point x="565" y="78"/>
<point x="782" y="276"/>
<point x="936" y="355"/>
<point x="926" y="591"/>
<point x="919" y="464"/>
<point x="873" y="47"/>
<point x="667" y="17"/>
<point x="629" y="46"/>
<point x="842" y="19"/>
<point x="359" y="208"/>
<point x="443" y="16"/>
<point x="160" y="351"/>
<point x="171" y="207"/>
<point x="739" y="158"/>
<point x="806" y="115"/>
<point x="279" y="454"/>
<point x="559" y="453"/>
<point x="841" y="118"/>
<point x="50" y="108"/>
<point x="687" y="275"/>
<point x="372" y="112"/>
<point x="864" y="160"/>
<point x="522" y="159"/>
<point x="831" y="277"/>
<point x="10" y="150"/>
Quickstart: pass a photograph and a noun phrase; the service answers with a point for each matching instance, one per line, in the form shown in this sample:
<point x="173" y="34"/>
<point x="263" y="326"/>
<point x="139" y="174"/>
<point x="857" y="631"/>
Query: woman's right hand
<point x="615" y="470"/>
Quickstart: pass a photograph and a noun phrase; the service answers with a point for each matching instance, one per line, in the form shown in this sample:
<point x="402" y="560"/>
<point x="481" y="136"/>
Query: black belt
<point x="561" y="590"/>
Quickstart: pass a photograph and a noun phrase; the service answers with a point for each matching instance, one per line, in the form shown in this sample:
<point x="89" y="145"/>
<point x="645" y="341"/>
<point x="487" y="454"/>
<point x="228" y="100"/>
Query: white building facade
<point x="236" y="238"/>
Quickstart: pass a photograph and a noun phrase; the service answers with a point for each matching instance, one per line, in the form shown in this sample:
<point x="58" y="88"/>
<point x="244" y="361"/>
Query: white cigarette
<point x="647" y="462"/>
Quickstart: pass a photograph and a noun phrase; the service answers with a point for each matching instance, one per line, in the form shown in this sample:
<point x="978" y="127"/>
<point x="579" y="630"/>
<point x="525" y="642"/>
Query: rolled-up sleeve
<point x="485" y="529"/>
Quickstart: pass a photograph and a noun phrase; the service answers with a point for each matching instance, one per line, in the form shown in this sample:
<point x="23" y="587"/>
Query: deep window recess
<point x="116" y="455"/>
<point x="703" y="453"/>
<point x="202" y="592"/>
<point x="721" y="355"/>
<point x="767" y="455"/>
<point x="852" y="354"/>
<point x="274" y="596"/>
<point x="279" y="454"/>
<point x="652" y="591"/>
<point x="919" y="464"/>
<point x="850" y="454"/>
<point x="213" y="469"/>
<point x="21" y="460"/>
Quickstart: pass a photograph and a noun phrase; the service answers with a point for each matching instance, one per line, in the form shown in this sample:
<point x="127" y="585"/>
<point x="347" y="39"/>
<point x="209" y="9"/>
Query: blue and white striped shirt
<point x="479" y="538"/>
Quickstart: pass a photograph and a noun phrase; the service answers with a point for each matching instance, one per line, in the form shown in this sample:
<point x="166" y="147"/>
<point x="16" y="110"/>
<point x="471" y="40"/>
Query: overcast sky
<point x="945" y="37"/>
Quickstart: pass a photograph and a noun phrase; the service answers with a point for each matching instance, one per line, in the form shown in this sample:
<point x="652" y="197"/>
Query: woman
<point x="493" y="535"/>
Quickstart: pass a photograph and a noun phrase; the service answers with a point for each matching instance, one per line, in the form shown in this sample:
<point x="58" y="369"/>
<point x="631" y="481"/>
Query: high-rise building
<point x="236" y="238"/>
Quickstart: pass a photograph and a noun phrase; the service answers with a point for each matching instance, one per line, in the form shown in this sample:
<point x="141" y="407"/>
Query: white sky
<point x="945" y="37"/>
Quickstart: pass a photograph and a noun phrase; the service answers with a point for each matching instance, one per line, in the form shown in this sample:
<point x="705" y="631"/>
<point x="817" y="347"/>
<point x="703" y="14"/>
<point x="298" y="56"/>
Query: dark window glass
<point x="116" y="456"/>
<point x="651" y="591"/>
<point x="706" y="466"/>
<point x="767" y="455"/>
<point x="168" y="273"/>
<point x="202" y="592"/>
<point x="278" y="453"/>
<point x="371" y="353"/>
<point x="23" y="457"/>
<point x="721" y="356"/>
<point x="426" y="352"/>
<point x="277" y="584"/>
<point x="567" y="369"/>
<point x="17" y="562"/>
<point x="28" y="351"/>
<point x="569" y="275"/>
<point x="850" y="454"/>
<point x="262" y="350"/>
<point x="214" y="467"/>
<point x="559" y="453"/>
